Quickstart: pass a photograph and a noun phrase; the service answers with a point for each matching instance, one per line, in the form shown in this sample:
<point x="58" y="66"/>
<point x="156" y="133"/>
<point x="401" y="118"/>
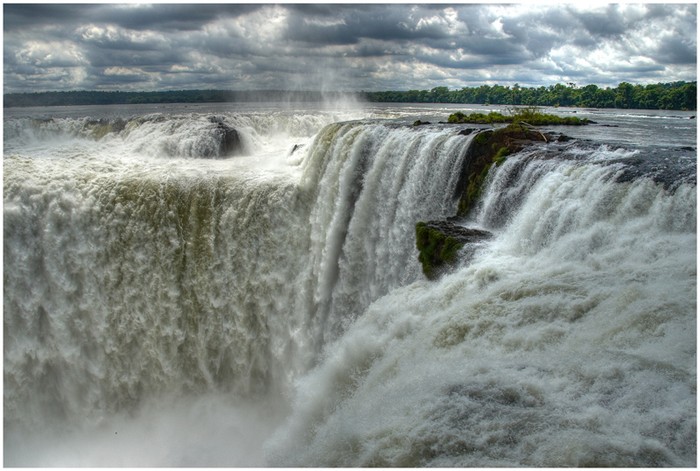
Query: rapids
<point x="266" y="307"/>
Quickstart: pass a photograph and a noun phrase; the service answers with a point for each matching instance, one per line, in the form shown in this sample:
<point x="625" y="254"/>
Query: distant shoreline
<point x="666" y="96"/>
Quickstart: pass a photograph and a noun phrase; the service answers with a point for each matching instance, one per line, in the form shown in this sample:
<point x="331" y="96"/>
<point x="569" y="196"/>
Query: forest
<point x="171" y="96"/>
<point x="667" y="96"/>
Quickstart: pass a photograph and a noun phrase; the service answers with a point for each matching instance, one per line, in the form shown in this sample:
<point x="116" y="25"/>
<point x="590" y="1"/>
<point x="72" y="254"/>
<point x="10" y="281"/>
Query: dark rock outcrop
<point x="99" y="128"/>
<point x="490" y="147"/>
<point x="466" y="131"/>
<point x="442" y="243"/>
<point x="229" y="139"/>
<point x="439" y="242"/>
<point x="461" y="234"/>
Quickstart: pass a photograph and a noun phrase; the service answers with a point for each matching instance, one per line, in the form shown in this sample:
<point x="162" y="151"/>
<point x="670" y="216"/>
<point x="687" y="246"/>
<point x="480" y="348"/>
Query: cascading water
<point x="138" y="275"/>
<point x="568" y="341"/>
<point x="370" y="185"/>
<point x="155" y="286"/>
<point x="130" y="278"/>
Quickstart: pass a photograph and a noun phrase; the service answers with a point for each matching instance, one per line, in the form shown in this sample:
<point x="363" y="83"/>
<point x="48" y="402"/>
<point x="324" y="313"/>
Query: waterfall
<point x="128" y="279"/>
<point x="371" y="184"/>
<point x="273" y="299"/>
<point x="568" y="340"/>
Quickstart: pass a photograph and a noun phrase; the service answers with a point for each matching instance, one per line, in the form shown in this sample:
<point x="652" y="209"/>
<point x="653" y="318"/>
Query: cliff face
<point x="491" y="147"/>
<point x="439" y="242"/>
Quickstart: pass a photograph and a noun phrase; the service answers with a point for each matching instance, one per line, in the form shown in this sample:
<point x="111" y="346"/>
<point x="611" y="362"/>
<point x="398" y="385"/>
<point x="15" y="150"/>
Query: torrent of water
<point x="567" y="341"/>
<point x="272" y="295"/>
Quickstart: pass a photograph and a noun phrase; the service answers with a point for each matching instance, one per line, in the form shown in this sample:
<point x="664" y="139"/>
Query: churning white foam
<point x="569" y="341"/>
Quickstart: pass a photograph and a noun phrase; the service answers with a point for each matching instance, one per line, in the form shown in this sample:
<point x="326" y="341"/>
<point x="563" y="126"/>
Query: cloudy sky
<point x="344" y="47"/>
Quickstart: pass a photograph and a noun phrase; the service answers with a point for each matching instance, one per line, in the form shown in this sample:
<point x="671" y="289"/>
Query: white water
<point x="569" y="341"/>
<point x="269" y="309"/>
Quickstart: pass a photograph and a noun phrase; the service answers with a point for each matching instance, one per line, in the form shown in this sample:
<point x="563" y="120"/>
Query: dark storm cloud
<point x="182" y="17"/>
<point x="349" y="25"/>
<point x="606" y="23"/>
<point x="343" y="46"/>
<point x="677" y="50"/>
<point x="26" y="16"/>
<point x="175" y="17"/>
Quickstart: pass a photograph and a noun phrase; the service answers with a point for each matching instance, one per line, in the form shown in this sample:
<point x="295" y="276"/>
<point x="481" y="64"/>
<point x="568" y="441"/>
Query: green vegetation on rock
<point x="478" y="118"/>
<point x="473" y="191"/>
<point x="439" y="244"/>
<point x="490" y="147"/>
<point x="529" y="115"/>
<point x="435" y="248"/>
<point x="501" y="155"/>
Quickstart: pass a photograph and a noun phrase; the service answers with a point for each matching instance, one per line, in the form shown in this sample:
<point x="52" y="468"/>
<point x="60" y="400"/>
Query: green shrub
<point x="529" y="115"/>
<point x="457" y="117"/>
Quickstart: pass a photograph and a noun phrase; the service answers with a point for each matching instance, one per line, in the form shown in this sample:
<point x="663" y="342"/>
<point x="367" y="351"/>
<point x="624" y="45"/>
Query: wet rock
<point x="439" y="243"/>
<point x="490" y="147"/>
<point x="462" y="234"/>
<point x="103" y="126"/>
<point x="466" y="131"/>
<point x="229" y="139"/>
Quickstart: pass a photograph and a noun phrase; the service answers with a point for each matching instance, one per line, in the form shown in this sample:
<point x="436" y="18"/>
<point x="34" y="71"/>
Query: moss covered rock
<point x="490" y="147"/>
<point x="439" y="243"/>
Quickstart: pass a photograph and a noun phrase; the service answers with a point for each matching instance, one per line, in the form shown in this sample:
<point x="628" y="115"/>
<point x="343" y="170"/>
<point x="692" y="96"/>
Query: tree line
<point x="83" y="97"/>
<point x="667" y="96"/>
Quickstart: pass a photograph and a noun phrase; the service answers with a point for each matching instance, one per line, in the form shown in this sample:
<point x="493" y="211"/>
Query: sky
<point x="344" y="47"/>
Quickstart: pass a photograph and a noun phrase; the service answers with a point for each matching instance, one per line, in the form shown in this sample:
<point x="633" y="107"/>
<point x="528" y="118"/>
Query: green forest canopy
<point x="669" y="96"/>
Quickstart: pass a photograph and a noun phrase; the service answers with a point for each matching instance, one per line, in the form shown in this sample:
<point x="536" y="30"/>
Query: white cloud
<point x="124" y="71"/>
<point x="175" y="68"/>
<point x="114" y="36"/>
<point x="497" y="29"/>
<point x="50" y="54"/>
